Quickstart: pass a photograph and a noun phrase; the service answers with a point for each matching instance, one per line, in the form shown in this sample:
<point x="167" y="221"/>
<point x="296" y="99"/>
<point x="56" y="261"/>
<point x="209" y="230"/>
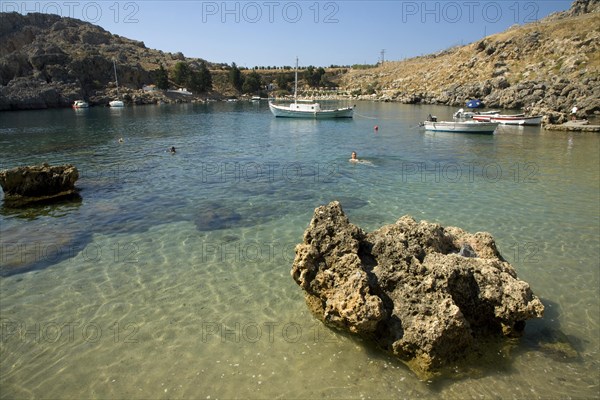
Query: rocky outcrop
<point x="421" y="291"/>
<point x="49" y="61"/>
<point x="580" y="7"/>
<point x="24" y="185"/>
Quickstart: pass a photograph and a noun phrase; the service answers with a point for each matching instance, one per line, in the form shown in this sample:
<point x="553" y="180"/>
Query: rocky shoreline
<point x="546" y="68"/>
<point x="573" y="127"/>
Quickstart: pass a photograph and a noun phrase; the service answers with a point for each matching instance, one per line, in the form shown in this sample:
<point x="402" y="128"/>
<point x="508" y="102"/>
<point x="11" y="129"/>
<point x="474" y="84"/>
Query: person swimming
<point x="121" y="140"/>
<point x="172" y="150"/>
<point x="354" y="159"/>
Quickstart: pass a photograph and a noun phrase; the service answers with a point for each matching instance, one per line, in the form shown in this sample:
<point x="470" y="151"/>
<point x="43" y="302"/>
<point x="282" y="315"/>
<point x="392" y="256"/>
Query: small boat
<point x="255" y="98"/>
<point x="116" y="103"/>
<point x="183" y="91"/>
<point x="460" y="126"/>
<point x="515" y="119"/>
<point x="307" y="110"/>
<point x="80" y="104"/>
<point x="491" y="112"/>
<point x="462" y="114"/>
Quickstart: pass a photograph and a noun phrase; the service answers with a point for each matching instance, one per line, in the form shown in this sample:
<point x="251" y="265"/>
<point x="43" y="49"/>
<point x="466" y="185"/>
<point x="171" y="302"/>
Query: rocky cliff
<point x="50" y="61"/>
<point x="547" y="66"/>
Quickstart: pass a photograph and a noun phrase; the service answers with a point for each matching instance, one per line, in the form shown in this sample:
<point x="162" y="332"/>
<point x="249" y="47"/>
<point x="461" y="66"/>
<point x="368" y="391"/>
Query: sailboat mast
<point x="296" y="84"/>
<point x="116" y="79"/>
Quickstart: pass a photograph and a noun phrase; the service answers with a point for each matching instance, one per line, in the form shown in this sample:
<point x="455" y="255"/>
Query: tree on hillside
<point x="325" y="82"/>
<point x="206" y="76"/>
<point x="308" y="74"/>
<point x="313" y="76"/>
<point x="201" y="80"/>
<point x="283" y="80"/>
<point x="181" y="73"/>
<point x="235" y="77"/>
<point x="162" y="78"/>
<point x="252" y="83"/>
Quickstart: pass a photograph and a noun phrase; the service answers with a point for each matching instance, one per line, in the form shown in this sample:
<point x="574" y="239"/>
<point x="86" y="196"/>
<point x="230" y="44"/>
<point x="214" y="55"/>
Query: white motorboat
<point x="460" y="126"/>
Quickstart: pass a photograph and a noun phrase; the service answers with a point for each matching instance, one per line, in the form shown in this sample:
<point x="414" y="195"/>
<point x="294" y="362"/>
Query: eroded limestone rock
<point x="424" y="292"/>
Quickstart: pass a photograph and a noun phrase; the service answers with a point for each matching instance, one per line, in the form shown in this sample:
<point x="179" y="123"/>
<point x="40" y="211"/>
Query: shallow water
<point x="170" y="278"/>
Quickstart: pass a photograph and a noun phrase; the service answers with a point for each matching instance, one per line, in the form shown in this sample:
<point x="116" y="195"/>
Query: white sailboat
<point x="307" y="110"/>
<point x="116" y="103"/>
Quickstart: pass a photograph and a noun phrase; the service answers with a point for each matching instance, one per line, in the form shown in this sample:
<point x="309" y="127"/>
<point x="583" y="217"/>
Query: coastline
<point x="140" y="98"/>
<point x="572" y="127"/>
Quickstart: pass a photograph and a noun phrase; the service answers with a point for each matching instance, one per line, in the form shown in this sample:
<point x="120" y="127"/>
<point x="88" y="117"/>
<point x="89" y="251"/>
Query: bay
<point x="170" y="278"/>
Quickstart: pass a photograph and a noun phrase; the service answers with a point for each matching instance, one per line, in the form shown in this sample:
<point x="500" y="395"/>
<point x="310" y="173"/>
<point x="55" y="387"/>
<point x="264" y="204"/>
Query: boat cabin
<point x="311" y="107"/>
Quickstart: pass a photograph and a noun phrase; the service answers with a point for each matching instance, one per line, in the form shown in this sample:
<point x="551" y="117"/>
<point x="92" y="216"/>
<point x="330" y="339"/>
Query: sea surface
<point x="170" y="276"/>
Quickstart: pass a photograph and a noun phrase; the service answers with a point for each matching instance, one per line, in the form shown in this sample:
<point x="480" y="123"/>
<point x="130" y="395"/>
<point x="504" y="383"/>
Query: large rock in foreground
<point x="424" y="292"/>
<point x="24" y="185"/>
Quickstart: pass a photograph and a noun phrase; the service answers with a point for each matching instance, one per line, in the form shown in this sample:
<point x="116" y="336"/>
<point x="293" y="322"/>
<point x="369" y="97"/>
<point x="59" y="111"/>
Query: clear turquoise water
<point x="170" y="278"/>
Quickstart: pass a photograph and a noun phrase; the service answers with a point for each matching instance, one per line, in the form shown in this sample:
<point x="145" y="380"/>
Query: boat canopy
<point x="474" y="103"/>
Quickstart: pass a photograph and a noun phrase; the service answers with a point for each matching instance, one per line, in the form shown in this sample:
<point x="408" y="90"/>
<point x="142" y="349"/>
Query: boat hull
<point x="461" y="127"/>
<point x="509" y="119"/>
<point x="116" y="104"/>
<point x="287" y="112"/>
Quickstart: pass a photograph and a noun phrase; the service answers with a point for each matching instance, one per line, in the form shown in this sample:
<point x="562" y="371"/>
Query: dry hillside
<point x="547" y="66"/>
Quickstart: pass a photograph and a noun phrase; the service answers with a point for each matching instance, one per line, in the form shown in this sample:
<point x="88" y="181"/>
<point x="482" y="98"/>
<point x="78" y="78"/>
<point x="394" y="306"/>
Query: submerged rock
<point x="24" y="185"/>
<point x="421" y="291"/>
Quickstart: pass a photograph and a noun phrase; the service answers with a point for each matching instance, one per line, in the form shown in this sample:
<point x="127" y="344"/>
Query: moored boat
<point x="116" y="103"/>
<point x="490" y="112"/>
<point x="460" y="126"/>
<point x="462" y="114"/>
<point x="307" y="110"/>
<point x="80" y="104"/>
<point x="516" y="119"/>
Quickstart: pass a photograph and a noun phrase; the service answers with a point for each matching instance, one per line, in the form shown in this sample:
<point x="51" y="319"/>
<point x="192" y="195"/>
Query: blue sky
<point x="321" y="33"/>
